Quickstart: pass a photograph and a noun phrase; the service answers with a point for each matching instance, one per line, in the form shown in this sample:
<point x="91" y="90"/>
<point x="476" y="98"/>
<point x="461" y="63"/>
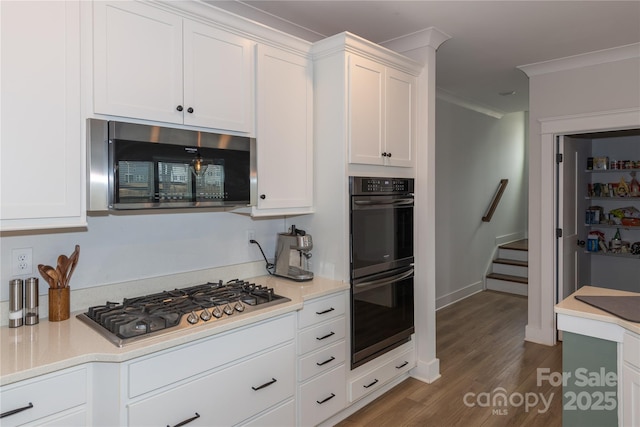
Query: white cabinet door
<point x="217" y="78"/>
<point x="400" y="117"/>
<point x="42" y="154"/>
<point x="153" y="65"/>
<point x="630" y="396"/>
<point x="284" y="132"/>
<point x="366" y="111"/>
<point x="137" y="62"/>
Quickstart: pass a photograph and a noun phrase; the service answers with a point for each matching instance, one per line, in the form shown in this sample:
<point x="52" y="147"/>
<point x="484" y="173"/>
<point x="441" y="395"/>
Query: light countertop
<point x="573" y="307"/>
<point x="29" y="351"/>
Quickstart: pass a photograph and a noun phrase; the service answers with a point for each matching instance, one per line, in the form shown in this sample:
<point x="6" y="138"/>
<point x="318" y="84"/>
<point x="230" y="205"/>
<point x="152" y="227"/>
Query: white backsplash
<point x="127" y="255"/>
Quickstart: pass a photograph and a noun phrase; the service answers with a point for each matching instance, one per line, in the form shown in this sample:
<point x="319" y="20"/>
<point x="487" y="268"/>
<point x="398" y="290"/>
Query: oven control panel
<point x="361" y="185"/>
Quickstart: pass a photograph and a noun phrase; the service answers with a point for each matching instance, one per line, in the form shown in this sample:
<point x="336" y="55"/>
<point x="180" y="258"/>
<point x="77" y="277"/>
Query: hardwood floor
<point x="481" y="347"/>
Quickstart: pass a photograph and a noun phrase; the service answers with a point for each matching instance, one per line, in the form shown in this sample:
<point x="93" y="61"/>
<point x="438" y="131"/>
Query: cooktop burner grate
<point x="150" y="315"/>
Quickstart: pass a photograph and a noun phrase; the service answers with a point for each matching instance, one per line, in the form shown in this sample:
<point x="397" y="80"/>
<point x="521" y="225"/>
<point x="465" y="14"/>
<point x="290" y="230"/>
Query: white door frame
<point x="542" y="297"/>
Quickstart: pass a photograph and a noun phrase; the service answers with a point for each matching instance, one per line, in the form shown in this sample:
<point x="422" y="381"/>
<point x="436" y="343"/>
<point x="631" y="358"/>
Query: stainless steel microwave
<point x="135" y="166"/>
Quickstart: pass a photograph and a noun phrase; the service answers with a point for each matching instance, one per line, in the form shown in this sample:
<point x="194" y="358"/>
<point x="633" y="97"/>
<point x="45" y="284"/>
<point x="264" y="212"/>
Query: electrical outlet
<point x="251" y="235"/>
<point x="22" y="261"/>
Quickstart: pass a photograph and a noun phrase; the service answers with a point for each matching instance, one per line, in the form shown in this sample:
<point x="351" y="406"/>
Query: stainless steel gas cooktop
<point x="151" y="315"/>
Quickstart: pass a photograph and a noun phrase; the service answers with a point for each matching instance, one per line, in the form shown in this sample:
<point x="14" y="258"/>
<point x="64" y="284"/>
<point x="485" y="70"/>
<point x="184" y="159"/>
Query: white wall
<point x="122" y="248"/>
<point x="572" y="90"/>
<point x="473" y="152"/>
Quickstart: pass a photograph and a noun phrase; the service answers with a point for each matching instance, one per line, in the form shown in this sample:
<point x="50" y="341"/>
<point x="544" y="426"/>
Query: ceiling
<point x="489" y="39"/>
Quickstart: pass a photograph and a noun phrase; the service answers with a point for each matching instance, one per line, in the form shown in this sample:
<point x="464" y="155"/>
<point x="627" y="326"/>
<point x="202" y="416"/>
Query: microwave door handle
<point x="383" y="282"/>
<point x="394" y="202"/>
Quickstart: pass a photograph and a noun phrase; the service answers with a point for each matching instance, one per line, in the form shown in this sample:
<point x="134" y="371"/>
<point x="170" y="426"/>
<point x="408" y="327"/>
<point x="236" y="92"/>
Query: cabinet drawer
<point x="631" y="349"/>
<point x="48" y="394"/>
<point x="321" y="309"/>
<point x="379" y="376"/>
<point x="225" y="397"/>
<point x="321" y="335"/>
<point x="321" y="361"/>
<point x="158" y="371"/>
<point x="283" y="415"/>
<point x="322" y="397"/>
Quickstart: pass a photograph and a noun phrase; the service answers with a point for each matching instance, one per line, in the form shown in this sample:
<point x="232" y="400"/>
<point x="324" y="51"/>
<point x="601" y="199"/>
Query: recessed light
<point x="508" y="93"/>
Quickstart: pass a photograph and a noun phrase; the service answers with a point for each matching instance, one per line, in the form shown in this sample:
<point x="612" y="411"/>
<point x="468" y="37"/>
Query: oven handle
<point x="384" y="281"/>
<point x="392" y="202"/>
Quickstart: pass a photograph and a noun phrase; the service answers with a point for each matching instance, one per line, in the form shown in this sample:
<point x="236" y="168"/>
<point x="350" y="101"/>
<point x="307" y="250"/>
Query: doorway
<point x="541" y="326"/>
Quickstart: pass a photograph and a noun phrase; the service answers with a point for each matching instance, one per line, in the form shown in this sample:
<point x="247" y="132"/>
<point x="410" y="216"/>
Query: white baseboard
<point x="538" y="336"/>
<point x="427" y="372"/>
<point x="458" y="295"/>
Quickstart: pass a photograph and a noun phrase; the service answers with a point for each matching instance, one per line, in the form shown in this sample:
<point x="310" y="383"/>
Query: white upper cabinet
<point x="382" y="114"/>
<point x="42" y="150"/>
<point x="284" y="132"/>
<point x="154" y="65"/>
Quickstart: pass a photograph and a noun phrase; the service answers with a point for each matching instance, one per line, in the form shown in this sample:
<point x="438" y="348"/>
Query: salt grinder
<point x="31" y="316"/>
<point x="15" y="303"/>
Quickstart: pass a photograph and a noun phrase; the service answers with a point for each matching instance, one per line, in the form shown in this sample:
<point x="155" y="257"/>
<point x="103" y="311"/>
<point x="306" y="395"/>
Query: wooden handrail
<point x="496" y="200"/>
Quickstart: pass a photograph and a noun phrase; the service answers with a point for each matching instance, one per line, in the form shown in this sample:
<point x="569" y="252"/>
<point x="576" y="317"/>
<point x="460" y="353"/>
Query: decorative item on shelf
<point x="58" y="279"/>
<point x="616" y="243"/>
<point x="635" y="248"/>
<point x="600" y="163"/>
<point x="634" y="186"/>
<point x="589" y="163"/>
<point x="623" y="188"/>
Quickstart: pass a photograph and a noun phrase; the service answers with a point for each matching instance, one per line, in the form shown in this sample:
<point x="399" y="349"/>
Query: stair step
<point x="518" y="245"/>
<point x="508" y="278"/>
<point x="513" y="254"/>
<point x="510" y="269"/>
<point x="511" y="262"/>
<point x="506" y="283"/>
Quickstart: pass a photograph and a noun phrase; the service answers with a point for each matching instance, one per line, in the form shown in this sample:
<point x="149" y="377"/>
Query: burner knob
<point x="205" y="315"/>
<point x="217" y="312"/>
<point x="228" y="310"/>
<point x="192" y="318"/>
<point x="239" y="307"/>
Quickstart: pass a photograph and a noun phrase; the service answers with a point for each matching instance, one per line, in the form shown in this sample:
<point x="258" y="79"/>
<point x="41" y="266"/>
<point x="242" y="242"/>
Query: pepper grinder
<point x="15" y="303"/>
<point x="31" y="316"/>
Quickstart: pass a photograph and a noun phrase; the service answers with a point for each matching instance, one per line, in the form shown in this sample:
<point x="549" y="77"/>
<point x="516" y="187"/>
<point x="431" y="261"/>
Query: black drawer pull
<point x="331" y="359"/>
<point x="373" y="383"/>
<point x="325" y="312"/>
<point x="403" y="365"/>
<point x="185" y="422"/>
<point x="15" y="411"/>
<point x="326" y="336"/>
<point x="273" y="380"/>
<point x="326" y="400"/>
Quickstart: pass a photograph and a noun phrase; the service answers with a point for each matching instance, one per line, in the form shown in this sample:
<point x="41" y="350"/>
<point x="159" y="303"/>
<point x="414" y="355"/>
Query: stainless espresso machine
<point x="293" y="251"/>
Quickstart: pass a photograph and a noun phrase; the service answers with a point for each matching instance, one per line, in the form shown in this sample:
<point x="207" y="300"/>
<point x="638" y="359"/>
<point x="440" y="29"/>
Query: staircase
<point x="509" y="271"/>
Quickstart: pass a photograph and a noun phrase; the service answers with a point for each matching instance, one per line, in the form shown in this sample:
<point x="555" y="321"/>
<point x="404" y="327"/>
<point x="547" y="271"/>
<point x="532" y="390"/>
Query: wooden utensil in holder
<point x="58" y="279"/>
<point x="59" y="303"/>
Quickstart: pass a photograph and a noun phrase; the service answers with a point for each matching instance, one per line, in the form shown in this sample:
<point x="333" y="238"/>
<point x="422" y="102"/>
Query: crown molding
<point x="349" y="42"/>
<point x="583" y="60"/>
<point x="429" y="37"/>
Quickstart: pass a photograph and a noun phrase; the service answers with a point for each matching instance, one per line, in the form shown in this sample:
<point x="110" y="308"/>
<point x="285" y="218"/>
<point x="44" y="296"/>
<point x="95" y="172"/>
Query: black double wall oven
<point x="382" y="265"/>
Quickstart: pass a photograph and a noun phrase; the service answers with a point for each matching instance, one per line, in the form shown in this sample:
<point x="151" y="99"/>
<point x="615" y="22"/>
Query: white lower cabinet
<point x="57" y="399"/>
<point x="321" y="359"/>
<point x="381" y="371"/>
<point x="225" y="397"/>
<point x="229" y="379"/>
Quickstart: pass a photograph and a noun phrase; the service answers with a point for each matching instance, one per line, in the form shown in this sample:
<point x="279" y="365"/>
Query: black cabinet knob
<point x="384" y="154"/>
<point x="263" y="196"/>
<point x="388" y="154"/>
<point x="179" y="108"/>
<point x="189" y="110"/>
